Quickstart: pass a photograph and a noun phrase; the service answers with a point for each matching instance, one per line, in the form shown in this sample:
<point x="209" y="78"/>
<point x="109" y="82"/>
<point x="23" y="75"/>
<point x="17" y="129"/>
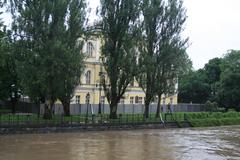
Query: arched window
<point x="88" y="77"/>
<point x="90" y="49"/>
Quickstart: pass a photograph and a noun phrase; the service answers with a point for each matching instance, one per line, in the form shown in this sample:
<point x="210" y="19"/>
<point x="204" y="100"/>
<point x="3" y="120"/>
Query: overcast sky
<point x="213" y="27"/>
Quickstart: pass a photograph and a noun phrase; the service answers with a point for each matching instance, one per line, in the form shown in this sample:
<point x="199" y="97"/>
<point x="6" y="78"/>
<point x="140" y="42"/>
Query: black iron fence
<point x="21" y="107"/>
<point x="34" y="120"/>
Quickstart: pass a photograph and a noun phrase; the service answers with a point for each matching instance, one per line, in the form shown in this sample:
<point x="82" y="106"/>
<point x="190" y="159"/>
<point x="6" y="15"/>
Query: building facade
<point x="90" y="81"/>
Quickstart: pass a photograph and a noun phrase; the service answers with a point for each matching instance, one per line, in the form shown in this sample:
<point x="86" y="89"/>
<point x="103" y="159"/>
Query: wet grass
<point x="197" y="119"/>
<point x="205" y="119"/>
<point x="83" y="118"/>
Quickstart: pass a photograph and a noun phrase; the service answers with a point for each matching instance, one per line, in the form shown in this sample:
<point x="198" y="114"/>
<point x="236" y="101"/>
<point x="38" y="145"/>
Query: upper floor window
<point x="88" y="77"/>
<point x="90" y="49"/>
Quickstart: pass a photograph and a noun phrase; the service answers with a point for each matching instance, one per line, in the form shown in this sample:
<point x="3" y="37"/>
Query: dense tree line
<point x="141" y="40"/>
<point x="45" y="50"/>
<point x="218" y="82"/>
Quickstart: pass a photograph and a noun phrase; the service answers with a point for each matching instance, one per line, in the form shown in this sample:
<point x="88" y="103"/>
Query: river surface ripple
<point x="217" y="143"/>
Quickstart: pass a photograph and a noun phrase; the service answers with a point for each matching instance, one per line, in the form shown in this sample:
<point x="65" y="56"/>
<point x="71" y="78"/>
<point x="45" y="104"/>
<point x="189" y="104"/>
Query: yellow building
<point x="90" y="80"/>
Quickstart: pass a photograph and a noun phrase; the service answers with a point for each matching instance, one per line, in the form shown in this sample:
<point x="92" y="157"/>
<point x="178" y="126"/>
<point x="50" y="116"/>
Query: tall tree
<point x="228" y="92"/>
<point x="194" y="88"/>
<point x="48" y="33"/>
<point x="162" y="25"/>
<point x="9" y="80"/>
<point x="172" y="59"/>
<point x="119" y="38"/>
<point x="72" y="60"/>
<point x="213" y="72"/>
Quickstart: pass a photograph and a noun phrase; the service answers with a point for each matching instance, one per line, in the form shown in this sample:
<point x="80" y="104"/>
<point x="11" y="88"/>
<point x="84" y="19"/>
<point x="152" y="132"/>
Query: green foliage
<point x="9" y="79"/>
<point x="211" y="106"/>
<point x="193" y="88"/>
<point x="205" y="119"/>
<point x="214" y="122"/>
<point x="47" y="38"/>
<point x="218" y="81"/>
<point x="228" y="92"/>
<point x="119" y="40"/>
<point x="162" y="50"/>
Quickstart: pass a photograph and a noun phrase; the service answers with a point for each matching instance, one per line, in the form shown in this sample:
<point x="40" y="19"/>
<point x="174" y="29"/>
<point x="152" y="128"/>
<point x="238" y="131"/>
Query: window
<point x="88" y="77"/>
<point x="122" y="101"/>
<point x="136" y="99"/>
<point x="90" y="49"/>
<point x="77" y="99"/>
<point x="131" y="100"/>
<point x="140" y="99"/>
<point x="87" y="100"/>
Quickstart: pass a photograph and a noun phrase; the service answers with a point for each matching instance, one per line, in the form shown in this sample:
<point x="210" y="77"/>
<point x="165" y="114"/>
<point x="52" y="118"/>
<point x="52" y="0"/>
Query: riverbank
<point x="90" y="127"/>
<point x="211" y="119"/>
<point x="31" y="123"/>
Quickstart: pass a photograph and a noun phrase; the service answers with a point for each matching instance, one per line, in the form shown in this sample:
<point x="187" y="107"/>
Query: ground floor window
<point x="140" y="99"/>
<point x="77" y="99"/>
<point x="102" y="100"/>
<point x="131" y="100"/>
<point x="122" y="101"/>
<point x="87" y="99"/>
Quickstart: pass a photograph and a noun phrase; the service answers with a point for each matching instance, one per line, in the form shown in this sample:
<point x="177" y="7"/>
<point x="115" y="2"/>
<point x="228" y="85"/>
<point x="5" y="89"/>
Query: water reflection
<point x="173" y="144"/>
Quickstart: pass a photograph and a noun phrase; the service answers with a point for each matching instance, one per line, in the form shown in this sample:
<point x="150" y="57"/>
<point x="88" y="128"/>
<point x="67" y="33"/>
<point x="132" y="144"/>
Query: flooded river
<point x="217" y="143"/>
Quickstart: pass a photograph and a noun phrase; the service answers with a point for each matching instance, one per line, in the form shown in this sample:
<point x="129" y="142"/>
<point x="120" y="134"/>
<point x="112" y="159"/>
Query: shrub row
<point x="212" y="115"/>
<point x="214" y="122"/>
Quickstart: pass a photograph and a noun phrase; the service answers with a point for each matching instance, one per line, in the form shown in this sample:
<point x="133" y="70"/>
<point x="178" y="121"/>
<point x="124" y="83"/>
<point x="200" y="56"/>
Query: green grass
<point x="205" y="119"/>
<point x="199" y="119"/>
<point x="104" y="118"/>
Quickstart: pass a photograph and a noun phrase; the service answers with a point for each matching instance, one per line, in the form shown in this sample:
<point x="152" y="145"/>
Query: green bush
<point x="214" y="122"/>
<point x="211" y="106"/>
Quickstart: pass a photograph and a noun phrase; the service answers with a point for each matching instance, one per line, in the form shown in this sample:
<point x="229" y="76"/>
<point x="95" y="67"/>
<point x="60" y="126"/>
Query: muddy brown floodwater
<point x="217" y="143"/>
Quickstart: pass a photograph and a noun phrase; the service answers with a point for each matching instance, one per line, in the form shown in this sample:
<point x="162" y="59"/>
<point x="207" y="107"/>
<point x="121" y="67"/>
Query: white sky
<point x="213" y="27"/>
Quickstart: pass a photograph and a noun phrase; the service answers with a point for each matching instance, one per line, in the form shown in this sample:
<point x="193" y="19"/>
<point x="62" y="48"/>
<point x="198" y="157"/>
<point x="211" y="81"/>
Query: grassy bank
<point x="82" y="118"/>
<point x="205" y="119"/>
<point x="196" y="119"/>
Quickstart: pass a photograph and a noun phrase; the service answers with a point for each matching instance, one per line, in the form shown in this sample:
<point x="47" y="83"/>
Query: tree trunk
<point x="113" y="111"/>
<point x="158" y="106"/>
<point x="47" y="109"/>
<point x="66" y="108"/>
<point x="14" y="103"/>
<point x="146" y="112"/>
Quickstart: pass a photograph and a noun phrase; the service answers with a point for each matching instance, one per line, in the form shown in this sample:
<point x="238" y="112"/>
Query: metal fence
<point x="33" y="120"/>
<point x="76" y="109"/>
<point x="21" y="107"/>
